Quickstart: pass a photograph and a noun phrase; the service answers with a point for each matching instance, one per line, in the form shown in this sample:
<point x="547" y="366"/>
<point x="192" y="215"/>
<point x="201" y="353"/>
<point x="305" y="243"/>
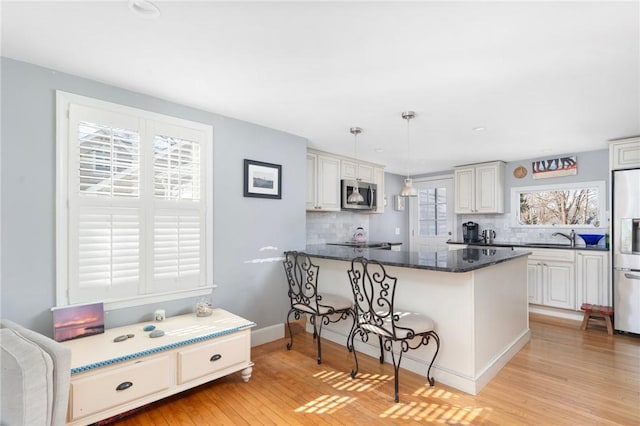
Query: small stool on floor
<point x="597" y="312"/>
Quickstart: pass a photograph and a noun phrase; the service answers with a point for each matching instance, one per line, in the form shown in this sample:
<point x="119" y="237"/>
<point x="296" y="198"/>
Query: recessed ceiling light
<point x="144" y="9"/>
<point x="479" y="129"/>
<point x="379" y="150"/>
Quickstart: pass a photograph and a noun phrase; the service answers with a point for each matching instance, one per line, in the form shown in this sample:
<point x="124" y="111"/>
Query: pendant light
<point x="355" y="196"/>
<point x="408" y="190"/>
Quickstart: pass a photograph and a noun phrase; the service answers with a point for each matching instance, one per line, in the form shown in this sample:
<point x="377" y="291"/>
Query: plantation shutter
<point x="177" y="234"/>
<point x="104" y="205"/>
<point x="136" y="206"/>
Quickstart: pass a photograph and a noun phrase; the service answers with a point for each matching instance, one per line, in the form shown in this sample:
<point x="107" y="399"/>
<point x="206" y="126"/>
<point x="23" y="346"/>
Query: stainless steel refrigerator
<point x="626" y="249"/>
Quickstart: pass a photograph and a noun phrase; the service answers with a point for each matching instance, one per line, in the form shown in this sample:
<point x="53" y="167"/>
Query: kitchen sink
<point x="547" y="245"/>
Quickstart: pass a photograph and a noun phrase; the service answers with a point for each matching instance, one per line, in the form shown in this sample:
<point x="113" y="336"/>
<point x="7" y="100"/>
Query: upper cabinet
<point x="624" y="153"/>
<point x="479" y="188"/>
<point x="353" y="170"/>
<point x="323" y="182"/>
<point x="324" y="173"/>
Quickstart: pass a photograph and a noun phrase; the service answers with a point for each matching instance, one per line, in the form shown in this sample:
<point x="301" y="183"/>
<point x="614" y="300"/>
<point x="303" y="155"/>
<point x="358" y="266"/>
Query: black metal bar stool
<point x="374" y="294"/>
<point x="321" y="308"/>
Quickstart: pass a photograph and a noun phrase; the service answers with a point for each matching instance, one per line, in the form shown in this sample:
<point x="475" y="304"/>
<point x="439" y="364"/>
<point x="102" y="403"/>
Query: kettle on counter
<point x="359" y="236"/>
<point x="488" y="235"/>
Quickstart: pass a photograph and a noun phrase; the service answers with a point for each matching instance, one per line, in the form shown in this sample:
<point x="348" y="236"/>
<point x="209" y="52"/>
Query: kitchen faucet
<point x="571" y="237"/>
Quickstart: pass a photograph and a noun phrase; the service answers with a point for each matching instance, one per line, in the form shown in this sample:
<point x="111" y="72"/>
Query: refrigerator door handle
<point x="632" y="277"/>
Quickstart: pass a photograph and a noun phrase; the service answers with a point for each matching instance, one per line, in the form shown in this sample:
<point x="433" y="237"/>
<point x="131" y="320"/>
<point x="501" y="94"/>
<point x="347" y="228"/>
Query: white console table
<point x="108" y="378"/>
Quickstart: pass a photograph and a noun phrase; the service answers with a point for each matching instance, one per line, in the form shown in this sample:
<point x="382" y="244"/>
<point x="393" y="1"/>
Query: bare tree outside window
<point x="577" y="205"/>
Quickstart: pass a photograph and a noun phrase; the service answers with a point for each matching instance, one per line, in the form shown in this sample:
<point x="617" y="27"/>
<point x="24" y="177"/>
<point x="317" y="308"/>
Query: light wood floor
<point x="563" y="376"/>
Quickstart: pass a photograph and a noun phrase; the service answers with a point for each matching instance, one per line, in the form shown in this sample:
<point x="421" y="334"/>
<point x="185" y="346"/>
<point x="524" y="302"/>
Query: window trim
<point x="602" y="206"/>
<point x="63" y="102"/>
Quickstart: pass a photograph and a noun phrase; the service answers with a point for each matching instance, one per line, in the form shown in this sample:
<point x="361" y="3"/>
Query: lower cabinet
<point x="593" y="278"/>
<point x="551" y="278"/>
<point x="113" y="378"/>
<point x="566" y="279"/>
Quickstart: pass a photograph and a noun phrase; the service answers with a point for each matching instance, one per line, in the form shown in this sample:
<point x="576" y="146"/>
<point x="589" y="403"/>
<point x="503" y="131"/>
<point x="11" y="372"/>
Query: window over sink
<point x="580" y="204"/>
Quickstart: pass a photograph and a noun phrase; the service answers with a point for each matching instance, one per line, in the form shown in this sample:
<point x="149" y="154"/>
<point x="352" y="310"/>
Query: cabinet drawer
<point x="207" y="359"/>
<point x="552" y="254"/>
<point x="99" y="391"/>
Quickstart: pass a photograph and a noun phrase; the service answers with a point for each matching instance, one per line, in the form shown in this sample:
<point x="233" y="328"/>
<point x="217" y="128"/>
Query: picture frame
<point x="262" y="180"/>
<point x="76" y="321"/>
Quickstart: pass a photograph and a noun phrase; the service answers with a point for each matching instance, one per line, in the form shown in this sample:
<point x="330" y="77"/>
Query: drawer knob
<point x="124" y="385"/>
<point x="215" y="357"/>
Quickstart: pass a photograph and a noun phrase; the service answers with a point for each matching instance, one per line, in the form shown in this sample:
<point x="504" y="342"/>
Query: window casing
<point x="574" y="205"/>
<point x="134" y="205"/>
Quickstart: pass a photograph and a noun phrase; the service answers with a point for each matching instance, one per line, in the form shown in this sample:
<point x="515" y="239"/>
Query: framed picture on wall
<point x="262" y="180"/>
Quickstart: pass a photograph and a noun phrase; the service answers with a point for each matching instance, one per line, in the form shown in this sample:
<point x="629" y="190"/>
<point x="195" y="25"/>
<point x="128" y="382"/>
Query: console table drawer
<point x="211" y="358"/>
<point x="119" y="385"/>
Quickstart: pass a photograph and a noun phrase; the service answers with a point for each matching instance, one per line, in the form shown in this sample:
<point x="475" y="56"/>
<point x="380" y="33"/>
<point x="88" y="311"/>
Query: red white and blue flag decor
<point x="561" y="166"/>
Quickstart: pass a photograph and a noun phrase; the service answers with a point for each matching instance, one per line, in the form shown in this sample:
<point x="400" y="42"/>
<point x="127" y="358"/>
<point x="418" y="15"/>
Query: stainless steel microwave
<point x="369" y="192"/>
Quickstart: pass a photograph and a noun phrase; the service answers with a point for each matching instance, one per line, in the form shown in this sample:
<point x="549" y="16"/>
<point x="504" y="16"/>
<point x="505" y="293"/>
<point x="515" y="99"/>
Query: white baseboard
<point x="470" y="385"/>
<point x="556" y="312"/>
<point x="267" y="334"/>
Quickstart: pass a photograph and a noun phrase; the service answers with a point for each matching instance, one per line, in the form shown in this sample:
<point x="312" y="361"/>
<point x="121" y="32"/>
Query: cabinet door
<point x="488" y="195"/>
<point x="348" y="169"/>
<point x="534" y="281"/>
<point x="624" y="154"/>
<point x="328" y="183"/>
<point x="366" y="173"/>
<point x="592" y="278"/>
<point x="312" y="182"/>
<point x="559" y="284"/>
<point x="464" y="182"/>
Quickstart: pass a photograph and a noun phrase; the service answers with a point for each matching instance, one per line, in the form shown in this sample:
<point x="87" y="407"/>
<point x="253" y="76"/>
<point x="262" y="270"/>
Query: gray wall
<point x="592" y="166"/>
<point x="248" y="284"/>
<point x="382" y="226"/>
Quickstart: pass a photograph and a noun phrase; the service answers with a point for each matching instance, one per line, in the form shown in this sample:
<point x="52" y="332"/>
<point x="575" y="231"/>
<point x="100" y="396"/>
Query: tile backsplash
<point x="333" y="227"/>
<point x="505" y="232"/>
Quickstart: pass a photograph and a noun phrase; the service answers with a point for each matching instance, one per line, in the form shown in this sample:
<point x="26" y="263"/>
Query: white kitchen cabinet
<point x="324" y="173"/>
<point x="593" y="278"/>
<point x="479" y="188"/>
<point x="534" y="281"/>
<point x="624" y="154"/>
<point x="355" y="170"/>
<point x="551" y="276"/>
<point x="323" y="182"/>
<point x="109" y="378"/>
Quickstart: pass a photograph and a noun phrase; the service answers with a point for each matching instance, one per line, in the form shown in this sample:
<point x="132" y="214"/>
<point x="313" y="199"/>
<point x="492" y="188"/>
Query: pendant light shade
<point x="355" y="196"/>
<point x="408" y="189"/>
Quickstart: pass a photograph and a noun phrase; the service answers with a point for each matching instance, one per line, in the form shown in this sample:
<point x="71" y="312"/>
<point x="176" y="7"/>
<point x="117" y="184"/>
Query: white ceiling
<point x="542" y="78"/>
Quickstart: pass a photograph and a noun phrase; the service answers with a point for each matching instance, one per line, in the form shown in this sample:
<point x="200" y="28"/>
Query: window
<point x="432" y="208"/>
<point x="134" y="203"/>
<point x="570" y="205"/>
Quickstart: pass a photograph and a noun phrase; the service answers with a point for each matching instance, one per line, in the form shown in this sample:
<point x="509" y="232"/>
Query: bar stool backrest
<point x="374" y="294"/>
<point x="302" y="276"/>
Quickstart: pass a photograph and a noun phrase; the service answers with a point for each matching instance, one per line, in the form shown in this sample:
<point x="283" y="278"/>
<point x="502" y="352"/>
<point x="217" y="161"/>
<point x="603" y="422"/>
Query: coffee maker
<point x="470" y="232"/>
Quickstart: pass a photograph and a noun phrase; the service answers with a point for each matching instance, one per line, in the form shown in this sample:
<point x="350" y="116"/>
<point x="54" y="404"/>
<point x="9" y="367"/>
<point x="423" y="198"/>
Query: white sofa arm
<point x="35" y="377"/>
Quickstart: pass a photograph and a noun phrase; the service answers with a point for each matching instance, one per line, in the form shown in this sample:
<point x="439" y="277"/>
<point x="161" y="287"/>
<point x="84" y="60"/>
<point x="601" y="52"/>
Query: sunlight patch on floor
<point x="343" y="381"/>
<point x="425" y="411"/>
<point x="325" y="404"/>
<point x="434" y="392"/>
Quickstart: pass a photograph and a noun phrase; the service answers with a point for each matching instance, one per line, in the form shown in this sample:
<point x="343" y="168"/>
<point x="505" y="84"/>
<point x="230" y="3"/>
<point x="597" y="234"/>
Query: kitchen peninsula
<point x="477" y="298"/>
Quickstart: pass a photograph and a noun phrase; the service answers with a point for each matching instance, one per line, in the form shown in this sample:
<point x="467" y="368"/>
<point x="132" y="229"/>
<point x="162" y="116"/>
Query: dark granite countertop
<point x="531" y="245"/>
<point x="462" y="260"/>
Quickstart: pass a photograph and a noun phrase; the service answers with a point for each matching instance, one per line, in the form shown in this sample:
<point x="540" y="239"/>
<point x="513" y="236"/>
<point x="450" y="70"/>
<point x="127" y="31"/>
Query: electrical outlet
<point x="397" y="231"/>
